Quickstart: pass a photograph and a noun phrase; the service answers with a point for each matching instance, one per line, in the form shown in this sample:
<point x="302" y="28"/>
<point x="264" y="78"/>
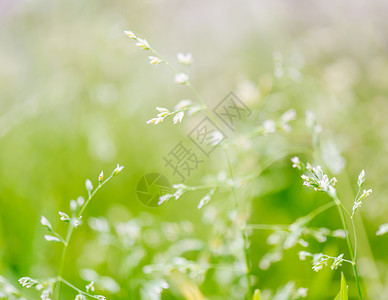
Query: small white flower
<point x="80" y="200"/>
<point x="178" y="194"/>
<point x="216" y="137"/>
<point x="269" y="126"/>
<point x="164" y="285"/>
<point x="143" y="44"/>
<point x="73" y="205"/>
<point x="64" y="216"/>
<point x="45" y="222"/>
<point x="303" y="255"/>
<point x="318" y="180"/>
<point x="337" y="262"/>
<point x="340" y="233"/>
<point x="88" y="185"/>
<point x="45" y="295"/>
<point x="178" y="117"/>
<point x="181" y="78"/>
<point x="295" y="162"/>
<point x="310" y="119"/>
<point x="305" y="177"/>
<point x="356" y="206"/>
<point x="303" y="243"/>
<point x="383" y="229"/>
<point x="302" y="292"/>
<point x="205" y="200"/>
<point x="51" y="238"/>
<point x="324" y="182"/>
<point x="164" y="198"/>
<point x="154" y="60"/>
<point x="90" y="287"/>
<point x="76" y="221"/>
<point x="320" y="237"/>
<point x="318" y="171"/>
<point x="366" y="193"/>
<point x="101" y="176"/>
<point x="155" y="121"/>
<point x="183" y="104"/>
<point x="147" y="269"/>
<point x="162" y="111"/>
<point x="331" y="191"/>
<point x="288" y="116"/>
<point x="306" y="180"/>
<point x="185" y="60"/>
<point x="358" y="202"/>
<point x="285" y="127"/>
<point x="130" y="34"/>
<point x="28" y="282"/>
<point x="194" y="109"/>
<point x="118" y="169"/>
<point x="361" y="178"/>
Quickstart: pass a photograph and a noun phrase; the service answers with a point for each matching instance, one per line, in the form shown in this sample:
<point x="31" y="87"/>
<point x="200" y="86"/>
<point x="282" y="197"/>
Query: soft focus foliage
<point x="75" y="97"/>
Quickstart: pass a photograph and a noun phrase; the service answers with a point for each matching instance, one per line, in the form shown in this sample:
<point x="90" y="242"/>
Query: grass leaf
<point x="343" y="294"/>
<point x="256" y="295"/>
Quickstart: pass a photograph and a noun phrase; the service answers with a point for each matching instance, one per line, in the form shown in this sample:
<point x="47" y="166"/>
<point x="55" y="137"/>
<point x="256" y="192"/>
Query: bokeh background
<point x="76" y="93"/>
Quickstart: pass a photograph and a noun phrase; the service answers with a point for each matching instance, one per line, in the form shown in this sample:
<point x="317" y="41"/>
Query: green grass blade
<point x="343" y="294"/>
<point x="256" y="295"/>
<point x="344" y="288"/>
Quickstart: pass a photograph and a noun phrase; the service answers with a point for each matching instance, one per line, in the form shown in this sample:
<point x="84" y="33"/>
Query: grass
<point x="239" y="221"/>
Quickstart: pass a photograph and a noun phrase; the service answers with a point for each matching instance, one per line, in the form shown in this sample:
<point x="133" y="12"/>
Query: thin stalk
<point x="203" y="103"/>
<point x="70" y="230"/>
<point x="164" y="60"/>
<point x="349" y="261"/>
<point x="341" y="210"/>
<point x="355" y="239"/>
<point x="212" y="118"/>
<point x="60" y="279"/>
<point x="63" y="257"/>
<point x="267" y="226"/>
<point x="376" y="279"/>
<point x="275" y="158"/>
<point x="318" y="211"/>
<point x="345" y="227"/>
<point x="354" y="226"/>
<point x="308" y="217"/>
<point x="243" y="233"/>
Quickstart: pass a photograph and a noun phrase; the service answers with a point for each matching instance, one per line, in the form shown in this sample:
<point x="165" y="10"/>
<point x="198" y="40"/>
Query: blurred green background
<point x="75" y="94"/>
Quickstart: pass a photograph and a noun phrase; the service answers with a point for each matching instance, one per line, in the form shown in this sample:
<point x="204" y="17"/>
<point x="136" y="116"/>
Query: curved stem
<point x="319" y="210"/>
<point x="60" y="279"/>
<point x="308" y="217"/>
<point x="357" y="281"/>
<point x="345" y="226"/>
<point x="63" y="256"/>
<point x="349" y="261"/>
<point x="275" y="158"/>
<point x="355" y="239"/>
<point x="70" y="230"/>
